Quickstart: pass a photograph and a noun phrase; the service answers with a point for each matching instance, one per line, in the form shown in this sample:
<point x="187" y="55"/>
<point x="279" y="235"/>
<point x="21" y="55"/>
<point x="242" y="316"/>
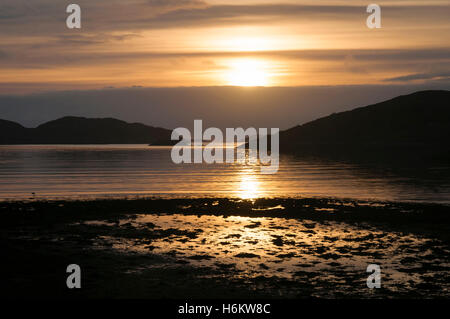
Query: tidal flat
<point x="225" y="248"/>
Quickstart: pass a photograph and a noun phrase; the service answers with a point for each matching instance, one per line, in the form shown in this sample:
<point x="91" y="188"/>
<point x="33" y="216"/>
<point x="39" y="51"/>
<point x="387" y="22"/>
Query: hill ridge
<point x="416" y="119"/>
<point x="82" y="130"/>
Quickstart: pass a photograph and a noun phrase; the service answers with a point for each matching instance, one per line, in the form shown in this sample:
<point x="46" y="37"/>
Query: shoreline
<point x="318" y="208"/>
<point x="207" y="196"/>
<point x="225" y="248"/>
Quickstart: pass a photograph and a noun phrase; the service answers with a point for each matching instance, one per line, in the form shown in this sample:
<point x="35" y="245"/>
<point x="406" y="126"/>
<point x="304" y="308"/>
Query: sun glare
<point x="247" y="72"/>
<point x="249" y="187"/>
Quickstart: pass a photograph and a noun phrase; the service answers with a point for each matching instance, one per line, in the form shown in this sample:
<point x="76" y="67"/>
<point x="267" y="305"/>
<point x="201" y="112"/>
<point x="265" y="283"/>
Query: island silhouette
<point x="416" y="120"/>
<point x="419" y="120"/>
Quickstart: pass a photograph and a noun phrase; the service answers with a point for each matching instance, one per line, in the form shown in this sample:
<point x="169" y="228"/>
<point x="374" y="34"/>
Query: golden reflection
<point x="258" y="246"/>
<point x="249" y="187"/>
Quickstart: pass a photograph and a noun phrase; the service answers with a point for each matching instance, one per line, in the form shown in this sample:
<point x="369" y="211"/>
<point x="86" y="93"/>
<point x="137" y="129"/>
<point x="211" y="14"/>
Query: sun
<point x="247" y="72"/>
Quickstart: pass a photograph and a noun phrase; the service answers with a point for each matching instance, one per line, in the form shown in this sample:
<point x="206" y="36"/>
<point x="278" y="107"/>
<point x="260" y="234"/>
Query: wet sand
<point x="225" y="248"/>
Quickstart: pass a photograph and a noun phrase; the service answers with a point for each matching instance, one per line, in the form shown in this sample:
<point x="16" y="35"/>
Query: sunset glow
<point x="248" y="72"/>
<point x="220" y="43"/>
<point x="247" y="44"/>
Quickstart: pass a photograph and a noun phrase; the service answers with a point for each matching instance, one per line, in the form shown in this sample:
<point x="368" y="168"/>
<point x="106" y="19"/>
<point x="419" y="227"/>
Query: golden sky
<point x="170" y="43"/>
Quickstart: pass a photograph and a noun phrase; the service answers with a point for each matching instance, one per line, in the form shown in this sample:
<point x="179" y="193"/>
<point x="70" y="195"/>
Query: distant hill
<point x="418" y="120"/>
<point x="80" y="130"/>
<point x="11" y="132"/>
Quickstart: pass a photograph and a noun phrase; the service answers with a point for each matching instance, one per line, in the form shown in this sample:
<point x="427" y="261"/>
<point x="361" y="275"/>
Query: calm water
<point x="60" y="171"/>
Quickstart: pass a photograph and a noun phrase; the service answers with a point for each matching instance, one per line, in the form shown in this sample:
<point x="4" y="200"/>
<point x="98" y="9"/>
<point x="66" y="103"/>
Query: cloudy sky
<point x="207" y="43"/>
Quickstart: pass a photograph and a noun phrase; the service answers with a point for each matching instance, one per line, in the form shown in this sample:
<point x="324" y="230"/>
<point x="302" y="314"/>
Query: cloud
<point x="115" y="15"/>
<point x="347" y="56"/>
<point x="177" y="3"/>
<point x="105" y="52"/>
<point x="435" y="76"/>
<point x="84" y="39"/>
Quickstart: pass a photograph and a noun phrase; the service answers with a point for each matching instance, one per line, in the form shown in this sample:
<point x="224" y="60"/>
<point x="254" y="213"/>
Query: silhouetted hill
<point x="80" y="130"/>
<point x="418" y="120"/>
<point x="11" y="132"/>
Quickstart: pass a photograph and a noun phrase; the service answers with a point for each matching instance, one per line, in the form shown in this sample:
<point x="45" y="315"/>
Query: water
<point x="87" y="171"/>
<point x="327" y="254"/>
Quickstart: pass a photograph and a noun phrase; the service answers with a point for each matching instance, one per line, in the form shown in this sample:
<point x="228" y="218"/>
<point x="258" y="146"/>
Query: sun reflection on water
<point x="249" y="187"/>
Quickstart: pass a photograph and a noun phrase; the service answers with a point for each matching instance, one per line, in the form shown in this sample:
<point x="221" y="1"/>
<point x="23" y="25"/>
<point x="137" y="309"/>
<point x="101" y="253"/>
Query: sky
<point x="218" y="43"/>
